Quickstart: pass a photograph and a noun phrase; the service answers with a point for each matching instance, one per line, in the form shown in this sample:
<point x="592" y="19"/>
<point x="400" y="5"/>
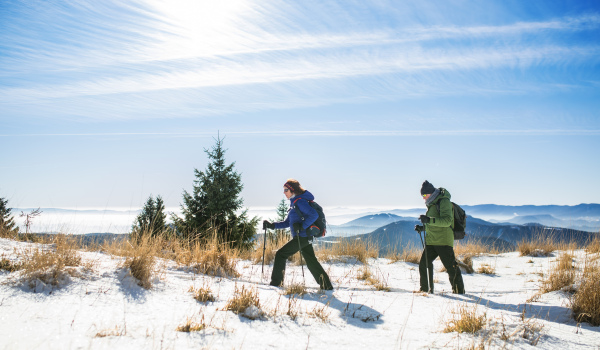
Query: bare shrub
<point x="466" y="320"/>
<point x="358" y="249"/>
<point x="410" y="254"/>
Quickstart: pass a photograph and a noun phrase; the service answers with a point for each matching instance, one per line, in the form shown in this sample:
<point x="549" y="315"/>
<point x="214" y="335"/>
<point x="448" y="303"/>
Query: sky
<point x="104" y="103"/>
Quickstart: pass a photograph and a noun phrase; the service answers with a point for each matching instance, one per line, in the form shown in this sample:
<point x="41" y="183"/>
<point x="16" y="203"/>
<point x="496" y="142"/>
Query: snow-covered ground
<point x="104" y="308"/>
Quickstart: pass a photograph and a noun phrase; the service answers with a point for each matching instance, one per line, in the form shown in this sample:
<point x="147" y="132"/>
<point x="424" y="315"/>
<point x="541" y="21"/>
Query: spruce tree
<point x="7" y="224"/>
<point x="152" y="220"/>
<point x="282" y="212"/>
<point x="214" y="202"/>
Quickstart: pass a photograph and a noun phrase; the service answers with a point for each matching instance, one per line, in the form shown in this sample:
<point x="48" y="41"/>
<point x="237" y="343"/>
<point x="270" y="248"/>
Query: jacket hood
<point x="443" y="194"/>
<point x="306" y="195"/>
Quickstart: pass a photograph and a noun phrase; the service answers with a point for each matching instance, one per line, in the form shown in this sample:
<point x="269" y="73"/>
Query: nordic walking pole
<point x="264" y="248"/>
<point x="426" y="260"/>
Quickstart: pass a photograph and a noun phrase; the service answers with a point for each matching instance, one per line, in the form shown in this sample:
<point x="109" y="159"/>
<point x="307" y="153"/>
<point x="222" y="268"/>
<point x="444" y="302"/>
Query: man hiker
<point x="439" y="238"/>
<point x="301" y="241"/>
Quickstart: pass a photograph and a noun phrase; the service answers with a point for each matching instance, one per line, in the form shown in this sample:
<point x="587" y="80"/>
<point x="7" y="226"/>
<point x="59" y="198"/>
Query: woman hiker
<point x="439" y="238"/>
<point x="299" y="198"/>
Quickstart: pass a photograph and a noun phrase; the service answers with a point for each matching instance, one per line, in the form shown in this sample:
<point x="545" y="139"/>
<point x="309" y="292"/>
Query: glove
<point x="298" y="227"/>
<point x="419" y="228"/>
<point x="267" y="224"/>
<point x="424" y="219"/>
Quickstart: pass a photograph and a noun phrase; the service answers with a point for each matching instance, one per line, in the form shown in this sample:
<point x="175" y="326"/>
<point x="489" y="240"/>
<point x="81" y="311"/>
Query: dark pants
<point x="446" y="254"/>
<point x="307" y="251"/>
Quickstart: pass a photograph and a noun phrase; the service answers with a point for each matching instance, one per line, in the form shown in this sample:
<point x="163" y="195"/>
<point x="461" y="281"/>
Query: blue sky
<point x="104" y="103"/>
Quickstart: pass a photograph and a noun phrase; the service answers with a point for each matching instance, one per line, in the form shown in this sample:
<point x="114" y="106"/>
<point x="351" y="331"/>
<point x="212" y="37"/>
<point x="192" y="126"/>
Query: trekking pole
<point x="300" y="252"/>
<point x="264" y="248"/>
<point x="424" y="243"/>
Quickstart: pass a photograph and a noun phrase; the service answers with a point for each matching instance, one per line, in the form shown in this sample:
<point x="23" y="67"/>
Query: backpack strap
<point x="300" y="215"/>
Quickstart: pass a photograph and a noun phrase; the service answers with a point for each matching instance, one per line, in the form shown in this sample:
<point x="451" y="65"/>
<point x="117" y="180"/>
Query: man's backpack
<point x="460" y="220"/>
<point x="318" y="228"/>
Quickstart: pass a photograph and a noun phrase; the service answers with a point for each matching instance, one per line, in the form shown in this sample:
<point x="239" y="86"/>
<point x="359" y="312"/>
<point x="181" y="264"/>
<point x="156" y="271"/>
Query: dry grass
<point x="340" y="251"/>
<point x="10" y="266"/>
<point x="320" y="312"/>
<point x="593" y="246"/>
<point x="141" y="259"/>
<point x="586" y="300"/>
<point x="242" y="300"/>
<point x="466" y="320"/>
<point x="295" y="289"/>
<point x="190" y="325"/>
<point x="410" y="254"/>
<point x="51" y="264"/>
<point x="541" y="244"/>
<point x="486" y="269"/>
<point x="202" y="294"/>
<point x="473" y="247"/>
<point x="269" y="251"/>
<point x="366" y="275"/>
<point x="561" y="275"/>
<point x="116" y="332"/>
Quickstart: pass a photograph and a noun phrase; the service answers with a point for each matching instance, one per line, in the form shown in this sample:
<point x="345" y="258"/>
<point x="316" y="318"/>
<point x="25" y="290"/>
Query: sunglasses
<point x="286" y="190"/>
<point x="425" y="195"/>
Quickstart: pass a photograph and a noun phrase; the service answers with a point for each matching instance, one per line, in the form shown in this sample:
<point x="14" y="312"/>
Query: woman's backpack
<point x="318" y="228"/>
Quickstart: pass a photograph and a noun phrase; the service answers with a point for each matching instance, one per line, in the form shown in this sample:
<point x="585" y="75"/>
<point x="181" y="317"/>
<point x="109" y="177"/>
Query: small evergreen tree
<point x="282" y="212"/>
<point x="214" y="201"/>
<point x="152" y="219"/>
<point x="7" y="223"/>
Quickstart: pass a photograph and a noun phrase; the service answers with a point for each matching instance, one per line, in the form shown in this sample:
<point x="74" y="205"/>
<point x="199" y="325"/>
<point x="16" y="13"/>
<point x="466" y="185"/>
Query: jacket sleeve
<point x="283" y="224"/>
<point x="310" y="214"/>
<point x="445" y="218"/>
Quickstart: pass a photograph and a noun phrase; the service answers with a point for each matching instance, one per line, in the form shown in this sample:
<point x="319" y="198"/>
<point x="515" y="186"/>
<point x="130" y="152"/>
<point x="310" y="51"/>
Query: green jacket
<point x="439" y="229"/>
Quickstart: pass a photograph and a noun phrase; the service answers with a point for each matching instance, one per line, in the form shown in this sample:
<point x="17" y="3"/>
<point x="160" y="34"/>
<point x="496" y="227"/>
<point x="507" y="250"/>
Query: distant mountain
<point x="400" y="235"/>
<point x="582" y="217"/>
<point x="365" y="224"/>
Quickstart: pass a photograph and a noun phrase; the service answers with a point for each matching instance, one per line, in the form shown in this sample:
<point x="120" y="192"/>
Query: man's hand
<point x="424" y="219"/>
<point x="419" y="228"/>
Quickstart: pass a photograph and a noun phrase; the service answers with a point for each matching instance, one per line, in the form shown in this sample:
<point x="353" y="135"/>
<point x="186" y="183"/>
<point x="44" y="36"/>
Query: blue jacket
<point x="310" y="214"/>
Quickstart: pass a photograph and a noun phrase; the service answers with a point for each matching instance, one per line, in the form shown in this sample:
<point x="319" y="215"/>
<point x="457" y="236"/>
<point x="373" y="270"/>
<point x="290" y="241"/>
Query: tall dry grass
<point x="466" y="319"/>
<point x="585" y="302"/>
<point x="50" y="264"/>
<point x="343" y="250"/>
<point x="562" y="274"/>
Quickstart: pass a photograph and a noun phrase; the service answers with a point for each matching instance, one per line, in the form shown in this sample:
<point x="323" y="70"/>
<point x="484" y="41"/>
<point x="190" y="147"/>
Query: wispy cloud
<point x="143" y="56"/>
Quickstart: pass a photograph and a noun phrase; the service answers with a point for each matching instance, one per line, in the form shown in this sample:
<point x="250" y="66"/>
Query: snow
<point x="104" y="308"/>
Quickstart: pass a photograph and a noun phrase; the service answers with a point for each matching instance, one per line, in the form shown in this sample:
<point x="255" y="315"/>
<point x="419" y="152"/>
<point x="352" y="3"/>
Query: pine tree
<point x="7" y="224"/>
<point x="152" y="219"/>
<point x="282" y="212"/>
<point x="214" y="201"/>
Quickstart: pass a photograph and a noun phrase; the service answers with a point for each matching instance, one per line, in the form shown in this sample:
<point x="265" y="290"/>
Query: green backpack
<point x="460" y="220"/>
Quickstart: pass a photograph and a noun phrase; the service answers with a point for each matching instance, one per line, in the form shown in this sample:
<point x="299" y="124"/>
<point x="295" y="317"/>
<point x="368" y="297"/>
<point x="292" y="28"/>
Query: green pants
<point x="308" y="253"/>
<point x="446" y="254"/>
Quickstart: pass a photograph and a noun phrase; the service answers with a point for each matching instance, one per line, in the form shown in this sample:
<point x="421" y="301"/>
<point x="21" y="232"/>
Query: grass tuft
<point x="466" y="320"/>
<point x="242" y="300"/>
